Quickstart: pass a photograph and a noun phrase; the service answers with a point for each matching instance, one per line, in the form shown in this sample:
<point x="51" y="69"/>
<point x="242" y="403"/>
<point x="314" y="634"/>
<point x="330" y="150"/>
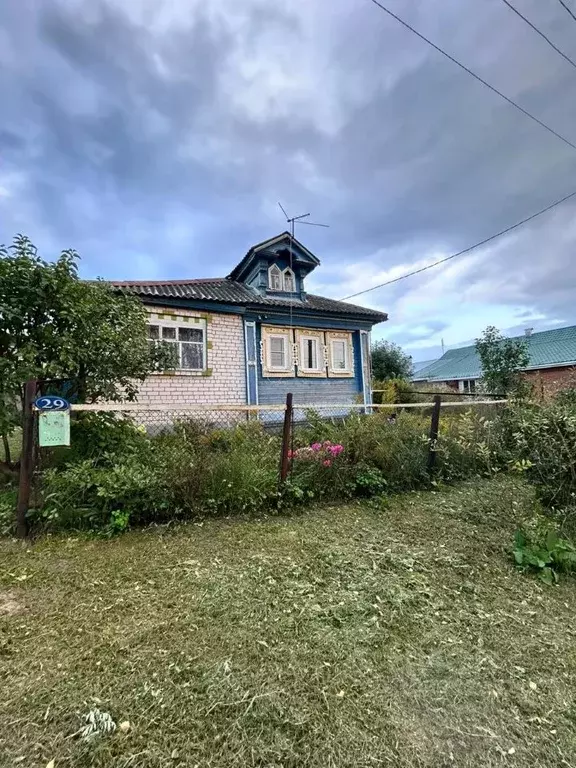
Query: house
<point x="255" y="335"/>
<point x="552" y="359"/>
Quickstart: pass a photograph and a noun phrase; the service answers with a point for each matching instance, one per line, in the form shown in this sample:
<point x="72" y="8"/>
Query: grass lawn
<point x="350" y="636"/>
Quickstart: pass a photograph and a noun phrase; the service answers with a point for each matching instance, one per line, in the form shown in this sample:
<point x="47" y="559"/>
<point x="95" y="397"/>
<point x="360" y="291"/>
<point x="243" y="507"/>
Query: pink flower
<point x="327" y="463"/>
<point x="335" y="450"/>
<point x="316" y="446"/>
<point x="291" y="454"/>
<point x="327" y="443"/>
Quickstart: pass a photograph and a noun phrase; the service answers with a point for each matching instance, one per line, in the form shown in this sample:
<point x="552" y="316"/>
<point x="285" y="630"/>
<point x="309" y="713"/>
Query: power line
<point x="563" y="4"/>
<point x="474" y="75"/>
<point x="466" y="250"/>
<point x="535" y="28"/>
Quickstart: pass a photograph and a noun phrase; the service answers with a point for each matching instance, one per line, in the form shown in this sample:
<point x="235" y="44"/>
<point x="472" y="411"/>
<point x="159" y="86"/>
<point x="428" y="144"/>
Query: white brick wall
<point x="226" y="359"/>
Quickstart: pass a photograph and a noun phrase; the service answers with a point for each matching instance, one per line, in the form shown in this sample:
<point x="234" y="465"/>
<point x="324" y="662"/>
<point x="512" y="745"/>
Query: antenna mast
<point x="292" y="220"/>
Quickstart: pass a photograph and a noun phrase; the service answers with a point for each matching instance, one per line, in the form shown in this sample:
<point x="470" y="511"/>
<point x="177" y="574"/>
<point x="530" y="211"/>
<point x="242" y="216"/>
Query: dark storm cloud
<point x="156" y="139"/>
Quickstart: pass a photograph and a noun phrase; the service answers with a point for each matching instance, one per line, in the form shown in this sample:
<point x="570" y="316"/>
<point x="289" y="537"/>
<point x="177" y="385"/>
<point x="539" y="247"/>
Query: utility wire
<point x="474" y="75"/>
<point x="535" y="28"/>
<point x="466" y="250"/>
<point x="563" y="4"/>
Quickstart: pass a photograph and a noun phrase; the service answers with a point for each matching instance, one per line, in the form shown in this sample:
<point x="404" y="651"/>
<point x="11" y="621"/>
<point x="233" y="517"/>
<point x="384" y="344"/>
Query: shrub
<point x="471" y="443"/>
<point x="190" y="470"/>
<point x="85" y="495"/>
<point x="320" y="469"/>
<point x="544" y="438"/>
<point x="393" y="391"/>
<point x="566" y="397"/>
<point x="397" y="450"/>
<point x="539" y="547"/>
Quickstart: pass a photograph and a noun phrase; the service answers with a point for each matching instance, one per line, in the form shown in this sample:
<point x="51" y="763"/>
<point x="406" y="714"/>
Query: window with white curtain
<point x="188" y="340"/>
<point x="340" y="353"/>
<point x="275" y="278"/>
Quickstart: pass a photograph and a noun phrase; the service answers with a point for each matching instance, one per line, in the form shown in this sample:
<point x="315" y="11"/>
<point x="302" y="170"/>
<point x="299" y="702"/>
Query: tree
<point x="502" y="361"/>
<point x="55" y="326"/>
<point x="389" y="361"/>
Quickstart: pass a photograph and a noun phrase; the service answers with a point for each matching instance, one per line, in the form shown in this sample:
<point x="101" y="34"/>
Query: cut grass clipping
<point x="352" y="636"/>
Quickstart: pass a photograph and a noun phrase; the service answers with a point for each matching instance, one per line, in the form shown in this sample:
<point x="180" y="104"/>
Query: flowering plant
<point x="325" y="452"/>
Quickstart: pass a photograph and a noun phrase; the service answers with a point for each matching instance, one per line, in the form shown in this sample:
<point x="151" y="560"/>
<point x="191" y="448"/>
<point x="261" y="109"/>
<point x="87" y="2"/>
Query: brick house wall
<point x="545" y="381"/>
<point x="548" y="381"/>
<point x="224" y="381"/>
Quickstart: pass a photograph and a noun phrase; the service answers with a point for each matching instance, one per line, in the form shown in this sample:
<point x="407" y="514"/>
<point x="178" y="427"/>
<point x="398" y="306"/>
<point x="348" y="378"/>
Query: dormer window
<point x="279" y="280"/>
<point x="274" y="278"/>
<point x="289" y="281"/>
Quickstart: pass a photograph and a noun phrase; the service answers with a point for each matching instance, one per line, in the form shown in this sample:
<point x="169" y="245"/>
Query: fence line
<point x="160" y="419"/>
<point x="227" y="407"/>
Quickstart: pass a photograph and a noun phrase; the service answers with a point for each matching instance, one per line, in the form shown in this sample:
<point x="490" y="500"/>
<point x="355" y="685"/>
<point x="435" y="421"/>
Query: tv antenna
<point x="292" y="220"/>
<point x="298" y="219"/>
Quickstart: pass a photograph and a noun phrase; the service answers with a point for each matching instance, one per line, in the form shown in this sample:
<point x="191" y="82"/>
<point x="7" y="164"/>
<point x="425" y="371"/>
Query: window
<point x="275" y="278"/>
<point x="468" y="386"/>
<point x="189" y="342"/>
<point x="310" y="347"/>
<point x="277" y="351"/>
<point x="289" y="281"/>
<point x="340" y="354"/>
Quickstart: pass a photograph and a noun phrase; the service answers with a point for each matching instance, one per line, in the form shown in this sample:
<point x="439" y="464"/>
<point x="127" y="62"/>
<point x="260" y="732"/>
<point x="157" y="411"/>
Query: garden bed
<point x="376" y="633"/>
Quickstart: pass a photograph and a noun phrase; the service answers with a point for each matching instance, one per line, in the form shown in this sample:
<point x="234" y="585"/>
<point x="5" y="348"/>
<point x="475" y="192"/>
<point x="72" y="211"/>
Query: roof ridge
<point x="188" y="281"/>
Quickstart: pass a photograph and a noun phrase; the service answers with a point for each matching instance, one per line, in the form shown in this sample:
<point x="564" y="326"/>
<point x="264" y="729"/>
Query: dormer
<point x="276" y="267"/>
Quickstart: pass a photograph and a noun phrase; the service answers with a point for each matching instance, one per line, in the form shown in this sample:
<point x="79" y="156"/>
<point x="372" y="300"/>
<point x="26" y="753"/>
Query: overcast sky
<point x="156" y="137"/>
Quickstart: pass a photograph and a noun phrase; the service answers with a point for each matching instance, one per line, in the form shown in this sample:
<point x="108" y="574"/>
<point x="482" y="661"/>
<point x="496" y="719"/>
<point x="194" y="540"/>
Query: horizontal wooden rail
<point x="227" y="407"/>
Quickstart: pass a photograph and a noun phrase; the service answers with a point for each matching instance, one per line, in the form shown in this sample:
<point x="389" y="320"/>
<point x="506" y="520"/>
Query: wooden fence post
<point x="434" y="425"/>
<point x="26" y="459"/>
<point x="286" y="437"/>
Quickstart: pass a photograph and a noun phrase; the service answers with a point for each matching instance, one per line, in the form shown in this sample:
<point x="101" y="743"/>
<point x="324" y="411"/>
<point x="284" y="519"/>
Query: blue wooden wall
<point x="273" y="390"/>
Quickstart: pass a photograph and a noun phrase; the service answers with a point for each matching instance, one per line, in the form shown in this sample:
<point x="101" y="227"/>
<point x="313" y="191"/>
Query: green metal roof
<point x="546" y="349"/>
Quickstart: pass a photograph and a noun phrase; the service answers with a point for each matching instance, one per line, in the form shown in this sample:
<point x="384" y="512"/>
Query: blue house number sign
<point x="53" y="421"/>
<point x="51" y="403"/>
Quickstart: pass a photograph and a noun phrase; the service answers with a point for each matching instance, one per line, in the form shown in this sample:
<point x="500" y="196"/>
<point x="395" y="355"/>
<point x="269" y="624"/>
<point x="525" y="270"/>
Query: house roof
<point x="226" y="291"/>
<point x="546" y="349"/>
<point x="301" y="254"/>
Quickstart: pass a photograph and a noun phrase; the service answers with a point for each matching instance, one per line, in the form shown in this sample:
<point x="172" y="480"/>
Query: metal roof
<point x="225" y="291"/>
<point x="546" y="349"/>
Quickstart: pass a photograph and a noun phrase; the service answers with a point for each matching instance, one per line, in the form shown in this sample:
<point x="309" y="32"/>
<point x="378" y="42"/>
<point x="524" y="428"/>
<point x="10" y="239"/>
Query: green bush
<point x="397" y="450"/>
<point x="540" y="548"/>
<point x="471" y="443"/>
<point x="192" y="469"/>
<point x="85" y="495"/>
<point x="393" y="391"/>
<point x="543" y="440"/>
<point x="566" y="397"/>
<point x="118" y="476"/>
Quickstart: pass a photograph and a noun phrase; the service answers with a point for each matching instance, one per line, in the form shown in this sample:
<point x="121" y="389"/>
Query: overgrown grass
<point x="355" y="636"/>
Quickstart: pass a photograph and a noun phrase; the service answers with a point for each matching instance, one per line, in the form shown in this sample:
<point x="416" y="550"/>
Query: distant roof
<point x="225" y="291"/>
<point x="422" y="364"/>
<point x="546" y="349"/>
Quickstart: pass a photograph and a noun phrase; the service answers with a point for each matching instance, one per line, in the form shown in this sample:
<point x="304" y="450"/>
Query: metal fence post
<point x="286" y="435"/>
<point x="26" y="459"/>
<point x="434" y="425"/>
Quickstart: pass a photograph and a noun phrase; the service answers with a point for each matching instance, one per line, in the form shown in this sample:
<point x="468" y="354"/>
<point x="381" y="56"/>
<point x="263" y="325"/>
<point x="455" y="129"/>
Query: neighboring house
<point x="552" y="356"/>
<point x="255" y="335"/>
<point x="416" y="367"/>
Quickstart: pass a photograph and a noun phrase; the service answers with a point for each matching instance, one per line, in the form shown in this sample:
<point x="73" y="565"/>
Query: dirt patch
<point x="9" y="605"/>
